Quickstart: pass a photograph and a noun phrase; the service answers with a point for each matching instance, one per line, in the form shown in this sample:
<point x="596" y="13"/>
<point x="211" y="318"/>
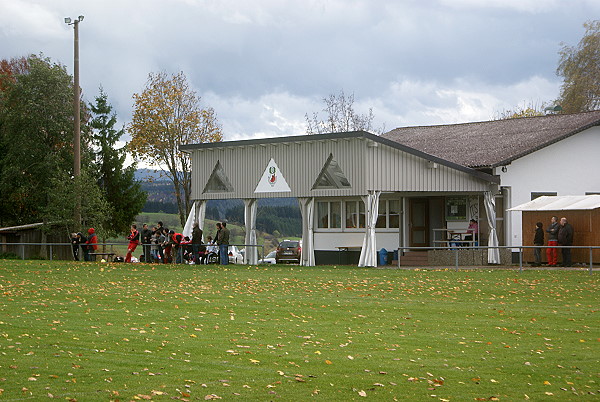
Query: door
<point x="418" y="223"/>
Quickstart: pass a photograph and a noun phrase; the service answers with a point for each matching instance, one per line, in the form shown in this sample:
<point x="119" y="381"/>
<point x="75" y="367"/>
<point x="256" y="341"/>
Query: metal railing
<point x="457" y="248"/>
<point x="52" y="247"/>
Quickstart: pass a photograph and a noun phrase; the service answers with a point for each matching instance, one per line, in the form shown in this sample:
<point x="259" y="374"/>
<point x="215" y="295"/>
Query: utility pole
<point x="77" y="122"/>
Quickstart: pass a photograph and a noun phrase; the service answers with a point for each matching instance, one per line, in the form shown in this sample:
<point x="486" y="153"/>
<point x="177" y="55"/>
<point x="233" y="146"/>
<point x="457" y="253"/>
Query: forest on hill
<point x="278" y="216"/>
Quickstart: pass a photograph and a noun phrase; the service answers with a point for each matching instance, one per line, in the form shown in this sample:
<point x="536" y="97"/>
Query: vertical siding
<point x="366" y="165"/>
<point x="300" y="164"/>
<point x="396" y="170"/>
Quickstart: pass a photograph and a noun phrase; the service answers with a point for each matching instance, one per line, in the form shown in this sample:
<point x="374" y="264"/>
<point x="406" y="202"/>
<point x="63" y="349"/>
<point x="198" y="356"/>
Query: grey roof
<point x="493" y="143"/>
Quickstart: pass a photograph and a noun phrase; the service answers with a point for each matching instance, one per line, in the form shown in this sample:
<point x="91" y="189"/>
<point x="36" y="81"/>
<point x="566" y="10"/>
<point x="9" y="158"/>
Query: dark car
<point x="288" y="251"/>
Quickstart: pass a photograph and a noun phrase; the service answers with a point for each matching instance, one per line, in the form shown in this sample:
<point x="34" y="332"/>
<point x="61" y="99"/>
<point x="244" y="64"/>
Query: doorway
<point x="418" y="222"/>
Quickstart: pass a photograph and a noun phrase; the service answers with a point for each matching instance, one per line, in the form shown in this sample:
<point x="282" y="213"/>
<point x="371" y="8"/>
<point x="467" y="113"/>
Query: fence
<point x="21" y="247"/>
<point x="49" y="250"/>
<point x="456" y="249"/>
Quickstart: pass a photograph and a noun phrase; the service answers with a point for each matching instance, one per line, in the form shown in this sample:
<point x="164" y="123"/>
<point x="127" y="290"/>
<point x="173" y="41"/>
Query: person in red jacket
<point x="134" y="240"/>
<point x="92" y="245"/>
<point x="176" y="239"/>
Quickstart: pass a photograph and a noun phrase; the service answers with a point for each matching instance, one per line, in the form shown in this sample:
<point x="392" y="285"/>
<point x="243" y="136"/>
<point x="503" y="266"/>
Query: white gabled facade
<point x="567" y="167"/>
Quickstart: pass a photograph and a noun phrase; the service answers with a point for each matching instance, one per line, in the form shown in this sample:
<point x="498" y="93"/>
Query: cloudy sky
<point x="263" y="64"/>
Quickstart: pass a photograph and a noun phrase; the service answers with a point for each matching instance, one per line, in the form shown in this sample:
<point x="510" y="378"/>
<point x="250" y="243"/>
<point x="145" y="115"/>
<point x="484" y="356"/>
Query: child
<point x="538" y="240"/>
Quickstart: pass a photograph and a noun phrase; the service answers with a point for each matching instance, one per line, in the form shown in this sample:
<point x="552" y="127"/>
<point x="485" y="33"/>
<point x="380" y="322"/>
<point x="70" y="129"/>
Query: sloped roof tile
<point x="492" y="143"/>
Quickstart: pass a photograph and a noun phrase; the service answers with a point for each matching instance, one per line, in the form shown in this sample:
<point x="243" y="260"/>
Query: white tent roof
<point x="560" y="203"/>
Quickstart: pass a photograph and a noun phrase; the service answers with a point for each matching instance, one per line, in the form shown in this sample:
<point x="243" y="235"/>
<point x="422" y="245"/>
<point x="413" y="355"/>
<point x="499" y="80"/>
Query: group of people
<point x="88" y="245"/>
<point x="560" y="233"/>
<point x="161" y="245"/>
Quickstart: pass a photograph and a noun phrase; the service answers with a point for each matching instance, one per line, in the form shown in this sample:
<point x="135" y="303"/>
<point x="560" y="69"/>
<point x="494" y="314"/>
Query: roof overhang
<point x="561" y="203"/>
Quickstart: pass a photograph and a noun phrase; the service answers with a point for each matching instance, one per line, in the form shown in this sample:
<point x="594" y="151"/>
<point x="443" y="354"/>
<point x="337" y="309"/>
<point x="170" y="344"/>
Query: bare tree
<point x="340" y="117"/>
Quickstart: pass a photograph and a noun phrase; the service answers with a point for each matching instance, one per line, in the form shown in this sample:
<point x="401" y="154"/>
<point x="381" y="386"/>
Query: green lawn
<point x="93" y="331"/>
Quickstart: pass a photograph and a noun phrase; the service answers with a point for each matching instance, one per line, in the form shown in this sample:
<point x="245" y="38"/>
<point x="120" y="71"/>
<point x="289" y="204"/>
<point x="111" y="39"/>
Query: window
<point x="355" y="214"/>
<point x="538" y="195"/>
<point x="218" y="182"/>
<point x="329" y="215"/>
<point x="331" y="176"/>
<point x="388" y="215"/>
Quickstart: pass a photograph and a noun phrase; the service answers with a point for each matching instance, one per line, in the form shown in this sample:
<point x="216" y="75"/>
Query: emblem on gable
<point x="272" y="180"/>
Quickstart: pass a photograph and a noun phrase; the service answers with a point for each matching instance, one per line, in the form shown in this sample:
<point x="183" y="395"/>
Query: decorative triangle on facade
<point x="218" y="182"/>
<point x="331" y="176"/>
<point x="272" y="180"/>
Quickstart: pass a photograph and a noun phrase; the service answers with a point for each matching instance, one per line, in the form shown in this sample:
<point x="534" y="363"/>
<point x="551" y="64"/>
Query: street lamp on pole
<point x="76" y="116"/>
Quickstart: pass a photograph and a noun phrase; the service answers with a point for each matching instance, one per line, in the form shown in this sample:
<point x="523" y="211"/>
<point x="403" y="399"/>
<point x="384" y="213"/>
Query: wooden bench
<point x="109" y="256"/>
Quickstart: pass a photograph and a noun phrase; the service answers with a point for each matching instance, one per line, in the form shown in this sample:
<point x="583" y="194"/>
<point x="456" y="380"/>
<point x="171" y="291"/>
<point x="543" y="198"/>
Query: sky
<point x="262" y="65"/>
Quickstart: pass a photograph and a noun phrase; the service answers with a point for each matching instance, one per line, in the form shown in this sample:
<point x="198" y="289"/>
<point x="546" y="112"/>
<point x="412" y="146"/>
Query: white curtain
<point x="200" y="214"/>
<point x="368" y="254"/>
<point x="490" y="208"/>
<point x="187" y="229"/>
<point x="251" y="255"/>
<point x="197" y="214"/>
<point x="307" y="207"/>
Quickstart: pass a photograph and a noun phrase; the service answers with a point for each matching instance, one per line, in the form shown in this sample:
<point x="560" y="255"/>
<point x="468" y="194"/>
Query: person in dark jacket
<point x="551" y="251"/>
<point x="538" y="240"/>
<point x="75" y="240"/>
<point x="146" y="236"/>
<point x="223" y="242"/>
<point x="196" y="243"/>
<point x="565" y="238"/>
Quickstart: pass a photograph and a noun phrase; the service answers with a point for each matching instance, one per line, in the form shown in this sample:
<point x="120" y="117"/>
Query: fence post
<point x="456" y="259"/>
<point x="521" y="259"/>
<point x="591" y="261"/>
<point x="50" y="251"/>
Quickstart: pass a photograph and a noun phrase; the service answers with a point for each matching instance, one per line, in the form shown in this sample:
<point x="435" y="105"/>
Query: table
<point x="454" y="238"/>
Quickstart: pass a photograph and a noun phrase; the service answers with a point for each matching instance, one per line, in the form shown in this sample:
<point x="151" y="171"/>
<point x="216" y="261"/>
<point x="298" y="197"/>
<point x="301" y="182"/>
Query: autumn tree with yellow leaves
<point x="167" y="114"/>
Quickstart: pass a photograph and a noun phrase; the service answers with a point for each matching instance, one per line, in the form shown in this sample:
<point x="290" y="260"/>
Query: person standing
<point x="565" y="238"/>
<point x="92" y="244"/>
<point x="163" y="240"/>
<point x="154" y="240"/>
<point x="146" y="235"/>
<point x="223" y="242"/>
<point x="134" y="240"/>
<point x="177" y="250"/>
<point x="538" y="240"/>
<point x="75" y="240"/>
<point x="196" y="242"/>
<point x="551" y="251"/>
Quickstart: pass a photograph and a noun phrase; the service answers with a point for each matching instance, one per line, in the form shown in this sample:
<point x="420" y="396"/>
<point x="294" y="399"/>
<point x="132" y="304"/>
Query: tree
<point x="94" y="207"/>
<point x="580" y="68"/>
<point x="117" y="183"/>
<point x="167" y="114"/>
<point x="36" y="135"/>
<point x="341" y="117"/>
<point x="530" y="110"/>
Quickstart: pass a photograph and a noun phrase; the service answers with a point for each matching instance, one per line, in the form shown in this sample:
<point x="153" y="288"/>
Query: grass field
<point x="92" y="331"/>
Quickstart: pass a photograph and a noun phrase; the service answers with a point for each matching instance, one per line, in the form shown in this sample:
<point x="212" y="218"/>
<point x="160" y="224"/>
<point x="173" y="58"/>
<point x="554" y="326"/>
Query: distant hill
<point x="274" y="214"/>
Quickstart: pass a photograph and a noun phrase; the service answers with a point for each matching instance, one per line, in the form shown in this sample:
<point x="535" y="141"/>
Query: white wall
<point x="568" y="167"/>
<point x="331" y="240"/>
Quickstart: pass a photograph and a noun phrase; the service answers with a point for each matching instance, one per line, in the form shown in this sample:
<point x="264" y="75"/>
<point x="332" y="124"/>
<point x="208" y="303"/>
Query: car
<point x="235" y="257"/>
<point x="289" y="251"/>
<point x="269" y="258"/>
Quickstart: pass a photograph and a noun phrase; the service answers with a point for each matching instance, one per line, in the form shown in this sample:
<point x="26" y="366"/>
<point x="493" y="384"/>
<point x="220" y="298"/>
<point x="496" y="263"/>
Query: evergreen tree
<point x="117" y="182"/>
